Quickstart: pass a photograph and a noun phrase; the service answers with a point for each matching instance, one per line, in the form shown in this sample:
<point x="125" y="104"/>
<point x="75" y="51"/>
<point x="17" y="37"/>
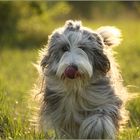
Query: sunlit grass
<point x="17" y="76"/>
<point x="16" y="80"/>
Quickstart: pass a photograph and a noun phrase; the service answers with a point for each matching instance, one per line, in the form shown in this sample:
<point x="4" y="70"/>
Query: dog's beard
<point x="80" y="60"/>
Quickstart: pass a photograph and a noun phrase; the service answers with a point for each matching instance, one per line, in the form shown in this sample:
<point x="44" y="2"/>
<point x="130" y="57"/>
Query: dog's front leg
<point x="97" y="126"/>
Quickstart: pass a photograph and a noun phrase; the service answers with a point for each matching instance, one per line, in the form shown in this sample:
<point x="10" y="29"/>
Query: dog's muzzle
<point x="71" y="72"/>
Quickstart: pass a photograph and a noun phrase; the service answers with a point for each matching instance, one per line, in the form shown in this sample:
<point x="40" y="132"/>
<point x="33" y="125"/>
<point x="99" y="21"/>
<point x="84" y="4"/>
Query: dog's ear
<point x="111" y="35"/>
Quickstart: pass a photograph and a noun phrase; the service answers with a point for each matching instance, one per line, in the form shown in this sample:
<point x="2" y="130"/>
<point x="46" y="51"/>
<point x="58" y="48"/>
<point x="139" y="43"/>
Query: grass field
<point x="17" y="76"/>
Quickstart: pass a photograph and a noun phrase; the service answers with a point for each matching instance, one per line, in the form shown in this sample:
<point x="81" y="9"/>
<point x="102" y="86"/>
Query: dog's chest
<point x="71" y="108"/>
<point x="70" y="104"/>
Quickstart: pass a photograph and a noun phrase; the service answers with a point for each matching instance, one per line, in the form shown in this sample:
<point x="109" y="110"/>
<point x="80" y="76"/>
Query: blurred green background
<point x="24" y="28"/>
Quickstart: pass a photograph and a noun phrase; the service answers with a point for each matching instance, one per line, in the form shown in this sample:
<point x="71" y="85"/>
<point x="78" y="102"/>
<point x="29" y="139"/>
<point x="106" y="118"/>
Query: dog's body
<point x="82" y="92"/>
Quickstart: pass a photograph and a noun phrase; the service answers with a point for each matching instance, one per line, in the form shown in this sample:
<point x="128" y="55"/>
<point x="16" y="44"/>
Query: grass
<point x="17" y="76"/>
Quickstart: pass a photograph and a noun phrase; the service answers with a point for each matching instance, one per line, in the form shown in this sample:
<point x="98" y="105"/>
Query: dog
<point x="83" y="96"/>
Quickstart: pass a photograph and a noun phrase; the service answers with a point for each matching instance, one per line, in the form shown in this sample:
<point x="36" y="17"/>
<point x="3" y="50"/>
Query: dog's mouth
<point x="71" y="72"/>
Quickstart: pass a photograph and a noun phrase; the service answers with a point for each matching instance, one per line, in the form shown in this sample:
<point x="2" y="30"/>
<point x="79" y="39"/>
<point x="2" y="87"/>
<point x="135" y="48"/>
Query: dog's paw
<point x="98" y="126"/>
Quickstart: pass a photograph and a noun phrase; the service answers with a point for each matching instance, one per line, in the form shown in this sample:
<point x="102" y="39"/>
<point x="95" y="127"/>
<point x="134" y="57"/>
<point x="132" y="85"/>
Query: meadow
<point x="18" y="75"/>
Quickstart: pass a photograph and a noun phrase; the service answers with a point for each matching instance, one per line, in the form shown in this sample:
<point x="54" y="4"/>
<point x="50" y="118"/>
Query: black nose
<point x="74" y="66"/>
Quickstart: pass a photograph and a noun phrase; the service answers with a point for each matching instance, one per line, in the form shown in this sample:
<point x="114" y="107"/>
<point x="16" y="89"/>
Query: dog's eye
<point x="65" y="48"/>
<point x="90" y="38"/>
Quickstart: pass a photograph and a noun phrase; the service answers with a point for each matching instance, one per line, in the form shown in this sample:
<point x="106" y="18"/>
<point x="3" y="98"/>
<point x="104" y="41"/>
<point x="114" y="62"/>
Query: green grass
<point x="17" y="76"/>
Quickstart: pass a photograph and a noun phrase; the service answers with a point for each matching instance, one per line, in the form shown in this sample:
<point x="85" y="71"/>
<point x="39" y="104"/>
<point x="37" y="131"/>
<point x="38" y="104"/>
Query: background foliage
<point x="24" y="28"/>
<point x="29" y="23"/>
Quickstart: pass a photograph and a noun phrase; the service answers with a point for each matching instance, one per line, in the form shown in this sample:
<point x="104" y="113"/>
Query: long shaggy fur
<point x="90" y="106"/>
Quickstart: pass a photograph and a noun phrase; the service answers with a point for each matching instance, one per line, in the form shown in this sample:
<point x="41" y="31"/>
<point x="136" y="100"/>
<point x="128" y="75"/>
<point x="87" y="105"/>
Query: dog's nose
<point x="74" y="66"/>
<point x="71" y="71"/>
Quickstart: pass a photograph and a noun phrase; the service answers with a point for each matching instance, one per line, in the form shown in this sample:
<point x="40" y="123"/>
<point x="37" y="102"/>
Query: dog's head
<point x="75" y="51"/>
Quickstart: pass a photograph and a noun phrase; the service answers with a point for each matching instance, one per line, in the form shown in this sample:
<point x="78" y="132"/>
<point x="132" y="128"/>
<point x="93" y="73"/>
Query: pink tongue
<point x="70" y="72"/>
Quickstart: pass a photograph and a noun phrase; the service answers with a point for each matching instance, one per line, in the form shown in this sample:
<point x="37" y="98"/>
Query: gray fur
<point x="88" y="107"/>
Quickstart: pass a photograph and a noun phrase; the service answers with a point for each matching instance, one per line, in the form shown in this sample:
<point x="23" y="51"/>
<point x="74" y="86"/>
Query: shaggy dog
<point x="82" y="90"/>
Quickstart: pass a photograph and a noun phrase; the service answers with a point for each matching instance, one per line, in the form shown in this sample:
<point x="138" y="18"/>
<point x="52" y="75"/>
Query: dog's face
<point x="76" y="52"/>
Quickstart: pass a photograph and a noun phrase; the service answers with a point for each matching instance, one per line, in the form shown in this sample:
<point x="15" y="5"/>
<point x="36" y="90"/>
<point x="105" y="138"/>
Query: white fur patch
<point x="96" y="126"/>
